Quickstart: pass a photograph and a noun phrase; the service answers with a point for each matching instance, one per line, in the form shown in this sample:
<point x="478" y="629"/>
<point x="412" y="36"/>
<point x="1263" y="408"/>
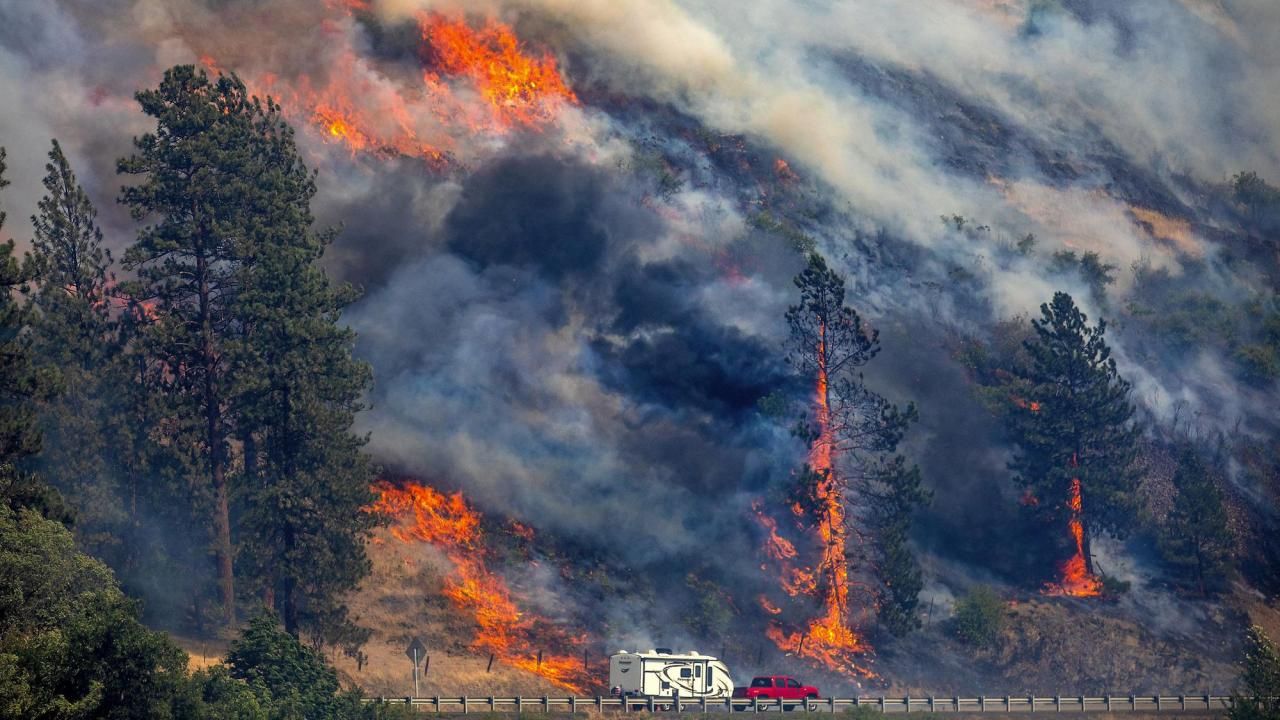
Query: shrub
<point x="980" y="617"/>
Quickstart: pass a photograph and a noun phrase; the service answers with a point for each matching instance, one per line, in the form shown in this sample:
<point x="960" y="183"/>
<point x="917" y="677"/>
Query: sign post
<point x="415" y="651"/>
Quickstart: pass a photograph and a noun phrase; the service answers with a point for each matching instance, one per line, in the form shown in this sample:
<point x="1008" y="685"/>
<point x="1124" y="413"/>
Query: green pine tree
<point x="72" y="334"/>
<point x="298" y="388"/>
<point x="202" y="175"/>
<point x="895" y="499"/>
<point x="1196" y="537"/>
<point x="22" y="387"/>
<point x="1077" y="424"/>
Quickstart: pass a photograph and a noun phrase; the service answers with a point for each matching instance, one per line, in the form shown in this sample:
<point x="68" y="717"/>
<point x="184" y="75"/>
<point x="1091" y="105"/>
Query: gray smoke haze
<point x="571" y="346"/>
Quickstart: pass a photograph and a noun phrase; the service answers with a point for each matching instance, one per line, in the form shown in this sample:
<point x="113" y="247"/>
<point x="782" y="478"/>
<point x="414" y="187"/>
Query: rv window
<point x="697" y="670"/>
<point x="761" y="682"/>
<point x="686" y="672"/>
<point x="709" y="669"/>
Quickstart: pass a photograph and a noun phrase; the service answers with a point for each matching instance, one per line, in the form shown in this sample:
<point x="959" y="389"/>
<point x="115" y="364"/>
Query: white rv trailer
<point x="661" y="673"/>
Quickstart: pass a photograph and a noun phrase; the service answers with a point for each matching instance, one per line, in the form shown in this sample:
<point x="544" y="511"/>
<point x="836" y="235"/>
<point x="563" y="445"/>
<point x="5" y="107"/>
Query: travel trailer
<point x="661" y="673"/>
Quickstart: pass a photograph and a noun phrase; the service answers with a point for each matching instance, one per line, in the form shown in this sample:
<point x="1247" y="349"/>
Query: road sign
<point x="416" y="651"/>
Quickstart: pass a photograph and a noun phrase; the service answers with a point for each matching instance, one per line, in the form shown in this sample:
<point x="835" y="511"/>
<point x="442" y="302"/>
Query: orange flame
<point x="1033" y="405"/>
<point x="447" y="522"/>
<point x="1076" y="580"/>
<point x="828" y="639"/>
<point x="482" y="82"/>
<point x="518" y="88"/>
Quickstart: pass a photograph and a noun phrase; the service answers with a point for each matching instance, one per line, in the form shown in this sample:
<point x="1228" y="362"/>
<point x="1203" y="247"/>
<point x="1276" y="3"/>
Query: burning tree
<point x="1076" y="437"/>
<point x="851" y="432"/>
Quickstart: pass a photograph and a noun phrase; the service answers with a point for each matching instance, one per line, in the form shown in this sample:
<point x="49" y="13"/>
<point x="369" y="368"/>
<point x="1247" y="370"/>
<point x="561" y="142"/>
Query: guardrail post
<point x="1032" y="702"/>
<point x="435" y="703"/>
<point x="881" y="704"/>
<point x="650" y="705"/>
<point x="956" y="702"/>
<point x="831" y="704"/>
<point x="519" y="705"/>
<point x="755" y="703"/>
<point x="1082" y="704"/>
<point x="1133" y="702"/>
<point x="1182" y="701"/>
<point x="675" y="699"/>
<point x="1057" y="703"/>
<point x="1158" y="707"/>
<point x="1206" y="701"/>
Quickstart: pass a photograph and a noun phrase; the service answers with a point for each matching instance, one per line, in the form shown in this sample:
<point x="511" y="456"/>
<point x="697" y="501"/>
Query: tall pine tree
<point x="73" y="335"/>
<point x="202" y="176"/>
<point x="297" y="390"/>
<point x="1077" y="425"/>
<point x="22" y="386"/>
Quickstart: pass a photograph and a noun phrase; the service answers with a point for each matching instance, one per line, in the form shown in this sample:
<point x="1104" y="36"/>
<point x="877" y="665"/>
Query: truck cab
<point x="776" y="687"/>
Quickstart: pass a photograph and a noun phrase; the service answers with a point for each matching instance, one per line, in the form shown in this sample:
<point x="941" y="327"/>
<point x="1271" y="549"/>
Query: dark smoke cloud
<point x="541" y="366"/>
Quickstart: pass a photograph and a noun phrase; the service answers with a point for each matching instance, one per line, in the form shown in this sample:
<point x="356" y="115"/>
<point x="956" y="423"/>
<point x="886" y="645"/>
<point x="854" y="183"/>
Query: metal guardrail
<point x="884" y="704"/>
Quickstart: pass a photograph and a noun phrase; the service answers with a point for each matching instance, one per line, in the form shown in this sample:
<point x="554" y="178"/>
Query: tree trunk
<point x="215" y="440"/>
<point x="1087" y="544"/>
<point x="222" y="526"/>
<point x="288" y="588"/>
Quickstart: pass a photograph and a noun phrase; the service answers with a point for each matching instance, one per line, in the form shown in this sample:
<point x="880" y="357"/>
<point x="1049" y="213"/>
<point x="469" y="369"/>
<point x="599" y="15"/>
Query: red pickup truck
<point x="776" y="687"/>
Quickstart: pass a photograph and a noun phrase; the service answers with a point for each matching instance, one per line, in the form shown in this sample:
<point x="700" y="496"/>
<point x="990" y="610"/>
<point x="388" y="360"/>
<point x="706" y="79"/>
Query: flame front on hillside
<point x="515" y="637"/>
<point x="476" y="82"/>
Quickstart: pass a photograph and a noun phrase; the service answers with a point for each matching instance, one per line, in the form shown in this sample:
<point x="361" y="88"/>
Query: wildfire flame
<point x="1075" y="578"/>
<point x="478" y="82"/>
<point x="515" y="637"/>
<point x="828" y="638"/>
